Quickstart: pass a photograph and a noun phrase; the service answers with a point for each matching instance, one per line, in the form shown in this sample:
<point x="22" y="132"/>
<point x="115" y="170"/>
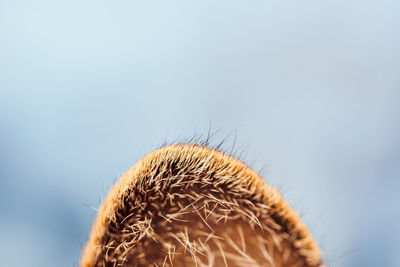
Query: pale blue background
<point x="89" y="87"/>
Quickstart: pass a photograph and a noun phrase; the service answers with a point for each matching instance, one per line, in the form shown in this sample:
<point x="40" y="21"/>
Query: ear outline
<point x="247" y="178"/>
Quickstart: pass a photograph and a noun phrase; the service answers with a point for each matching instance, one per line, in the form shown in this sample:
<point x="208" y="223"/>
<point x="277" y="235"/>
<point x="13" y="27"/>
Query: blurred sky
<point x="312" y="89"/>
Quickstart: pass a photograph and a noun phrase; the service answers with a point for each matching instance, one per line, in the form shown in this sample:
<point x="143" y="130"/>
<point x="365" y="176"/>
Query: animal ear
<point x="187" y="205"/>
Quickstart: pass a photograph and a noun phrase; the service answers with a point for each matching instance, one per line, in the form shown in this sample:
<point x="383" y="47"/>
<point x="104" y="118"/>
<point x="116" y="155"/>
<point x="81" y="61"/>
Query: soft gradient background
<point x="312" y="89"/>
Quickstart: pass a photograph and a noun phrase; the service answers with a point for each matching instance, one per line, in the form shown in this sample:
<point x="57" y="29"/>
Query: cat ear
<point x="188" y="205"/>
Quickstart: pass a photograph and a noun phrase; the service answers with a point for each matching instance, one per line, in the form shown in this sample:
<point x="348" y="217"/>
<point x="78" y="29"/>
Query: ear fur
<point x="189" y="205"/>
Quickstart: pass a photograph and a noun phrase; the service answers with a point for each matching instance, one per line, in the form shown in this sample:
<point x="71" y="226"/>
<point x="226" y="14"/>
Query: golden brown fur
<point x="187" y="205"/>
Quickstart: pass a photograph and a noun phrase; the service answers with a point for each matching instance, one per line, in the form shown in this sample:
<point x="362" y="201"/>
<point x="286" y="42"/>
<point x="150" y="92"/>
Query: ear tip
<point x="163" y="169"/>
